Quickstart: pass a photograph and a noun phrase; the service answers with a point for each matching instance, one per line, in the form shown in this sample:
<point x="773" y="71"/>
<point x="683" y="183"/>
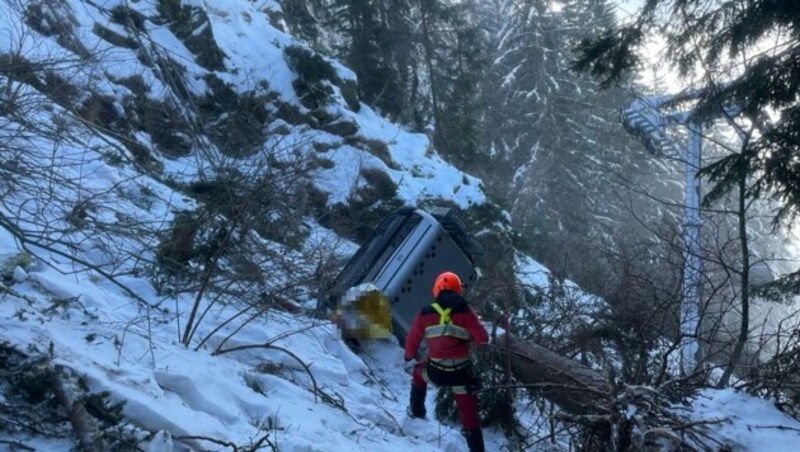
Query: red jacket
<point x="454" y="343"/>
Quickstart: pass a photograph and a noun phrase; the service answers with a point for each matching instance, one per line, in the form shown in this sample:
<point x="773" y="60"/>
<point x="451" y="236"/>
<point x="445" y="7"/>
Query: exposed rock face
<point x="191" y="25"/>
<point x="343" y="128"/>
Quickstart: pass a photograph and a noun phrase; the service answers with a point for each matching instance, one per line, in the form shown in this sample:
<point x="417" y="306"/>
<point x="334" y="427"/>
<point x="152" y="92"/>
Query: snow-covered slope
<point x="253" y="61"/>
<point x="85" y="297"/>
<point x="352" y="403"/>
<point x="88" y="188"/>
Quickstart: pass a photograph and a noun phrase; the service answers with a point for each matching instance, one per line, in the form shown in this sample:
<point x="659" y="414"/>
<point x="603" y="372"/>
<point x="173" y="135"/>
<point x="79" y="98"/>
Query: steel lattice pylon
<point x="644" y="119"/>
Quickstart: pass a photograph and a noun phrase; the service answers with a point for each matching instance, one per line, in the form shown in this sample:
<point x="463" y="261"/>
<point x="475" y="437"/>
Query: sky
<point x="260" y="384"/>
<point x="628" y="7"/>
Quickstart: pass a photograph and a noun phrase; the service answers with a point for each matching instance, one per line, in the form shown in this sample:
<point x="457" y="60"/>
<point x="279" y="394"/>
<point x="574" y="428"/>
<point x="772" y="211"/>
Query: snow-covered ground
<point x="119" y="346"/>
<point x="288" y="376"/>
<point x="300" y="384"/>
<point x="236" y="396"/>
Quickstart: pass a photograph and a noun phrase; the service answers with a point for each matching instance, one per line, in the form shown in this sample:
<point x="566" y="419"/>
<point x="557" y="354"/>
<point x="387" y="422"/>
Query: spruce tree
<point x="368" y="53"/>
<point x="751" y="53"/>
<point x="460" y="72"/>
<point x="301" y="20"/>
<point x="418" y="61"/>
<point x="748" y="55"/>
<point x="554" y="134"/>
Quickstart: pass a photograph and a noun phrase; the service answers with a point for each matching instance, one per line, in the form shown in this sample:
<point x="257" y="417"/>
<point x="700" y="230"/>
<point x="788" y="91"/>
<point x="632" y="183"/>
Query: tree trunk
<point x="744" y="325"/>
<point x="85" y="430"/>
<point x="427" y="45"/>
<point x="570" y="385"/>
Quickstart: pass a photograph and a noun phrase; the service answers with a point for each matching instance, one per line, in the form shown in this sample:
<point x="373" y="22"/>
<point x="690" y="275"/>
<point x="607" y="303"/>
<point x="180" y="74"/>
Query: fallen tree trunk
<point x="572" y="386"/>
<point x="81" y="421"/>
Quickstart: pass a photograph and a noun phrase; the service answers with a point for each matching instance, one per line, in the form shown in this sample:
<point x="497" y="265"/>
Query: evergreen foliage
<point x="749" y="55"/>
<point x="312" y="74"/>
<point x="191" y="25"/>
<point x="367" y="52"/>
<point x="558" y="149"/>
<point x="175" y="252"/>
<point x="301" y="20"/>
<point x="417" y="61"/>
<point x="752" y="48"/>
<point x="459" y="70"/>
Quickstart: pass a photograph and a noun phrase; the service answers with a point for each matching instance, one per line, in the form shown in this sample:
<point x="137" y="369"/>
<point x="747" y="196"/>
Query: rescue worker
<point x="448" y="325"/>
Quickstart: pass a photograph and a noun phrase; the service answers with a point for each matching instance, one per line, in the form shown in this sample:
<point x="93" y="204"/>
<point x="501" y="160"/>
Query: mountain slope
<point x="161" y="159"/>
<point x="118" y="119"/>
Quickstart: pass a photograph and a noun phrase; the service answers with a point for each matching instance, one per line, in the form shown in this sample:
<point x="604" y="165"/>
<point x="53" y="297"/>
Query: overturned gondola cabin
<point x="396" y="268"/>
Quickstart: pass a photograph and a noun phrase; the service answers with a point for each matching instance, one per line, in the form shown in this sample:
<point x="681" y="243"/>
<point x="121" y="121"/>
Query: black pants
<point x="443" y="376"/>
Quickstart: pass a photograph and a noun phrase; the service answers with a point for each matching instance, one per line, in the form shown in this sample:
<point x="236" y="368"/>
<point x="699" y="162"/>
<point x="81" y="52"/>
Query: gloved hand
<point x="409" y="364"/>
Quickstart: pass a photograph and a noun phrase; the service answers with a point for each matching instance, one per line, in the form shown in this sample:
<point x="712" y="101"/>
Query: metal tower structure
<point x="643" y="118"/>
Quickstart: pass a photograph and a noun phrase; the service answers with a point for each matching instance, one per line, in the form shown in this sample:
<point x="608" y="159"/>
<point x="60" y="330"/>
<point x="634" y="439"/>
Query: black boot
<point x="474" y="439"/>
<point x="416" y="407"/>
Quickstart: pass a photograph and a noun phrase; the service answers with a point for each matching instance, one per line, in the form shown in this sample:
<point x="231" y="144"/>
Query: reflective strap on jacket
<point x="444" y="314"/>
<point x="445" y="326"/>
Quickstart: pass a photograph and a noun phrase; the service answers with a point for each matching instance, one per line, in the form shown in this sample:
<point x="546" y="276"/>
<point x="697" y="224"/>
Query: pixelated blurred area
<point x="364" y="313"/>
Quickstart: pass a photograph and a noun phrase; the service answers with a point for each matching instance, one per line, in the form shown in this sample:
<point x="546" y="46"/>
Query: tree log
<point x="81" y="421"/>
<point x="572" y="386"/>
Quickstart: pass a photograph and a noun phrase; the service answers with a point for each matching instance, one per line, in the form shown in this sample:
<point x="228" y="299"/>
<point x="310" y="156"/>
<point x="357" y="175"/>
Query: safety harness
<point x="446" y="328"/>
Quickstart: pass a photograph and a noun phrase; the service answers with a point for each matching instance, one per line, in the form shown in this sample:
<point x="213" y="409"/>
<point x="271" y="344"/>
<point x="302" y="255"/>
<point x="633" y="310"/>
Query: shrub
<point x="313" y="71"/>
<point x="238" y="123"/>
<point x="100" y="110"/>
<point x="115" y="38"/>
<point x="135" y="83"/>
<point x="379" y="187"/>
<point x="177" y="250"/>
<point x="370" y="204"/>
<point x="376" y="147"/>
<point x="168" y="130"/>
<point x="127" y="17"/>
<point x="21" y="260"/>
<point x="52" y="18"/>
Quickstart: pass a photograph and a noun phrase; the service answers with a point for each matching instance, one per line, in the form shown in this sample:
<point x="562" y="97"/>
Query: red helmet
<point x="447" y="281"/>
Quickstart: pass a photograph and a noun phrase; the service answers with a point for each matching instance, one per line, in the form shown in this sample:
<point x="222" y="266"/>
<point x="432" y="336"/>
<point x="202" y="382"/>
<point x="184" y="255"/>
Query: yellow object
<point x="364" y="313"/>
<point x="444" y="314"/>
<point x="445" y="326"/>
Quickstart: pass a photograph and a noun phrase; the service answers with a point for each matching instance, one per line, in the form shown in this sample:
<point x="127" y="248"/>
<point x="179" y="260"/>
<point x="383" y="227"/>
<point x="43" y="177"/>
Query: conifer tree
<point x="301" y="21"/>
<point x="368" y="53"/>
<point x="752" y="50"/>
<point x="460" y="72"/>
<point x="555" y="135"/>
<point x="748" y="52"/>
<point x="418" y="61"/>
